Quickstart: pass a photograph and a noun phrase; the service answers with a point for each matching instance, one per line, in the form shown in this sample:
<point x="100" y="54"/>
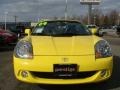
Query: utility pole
<point x="89" y="13"/>
<point x="6" y="20"/>
<point x="94" y="20"/>
<point x="66" y="10"/>
<point x="15" y="17"/>
<point x="90" y="3"/>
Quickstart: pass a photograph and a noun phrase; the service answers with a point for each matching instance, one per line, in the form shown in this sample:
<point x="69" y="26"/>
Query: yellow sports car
<point x="62" y="52"/>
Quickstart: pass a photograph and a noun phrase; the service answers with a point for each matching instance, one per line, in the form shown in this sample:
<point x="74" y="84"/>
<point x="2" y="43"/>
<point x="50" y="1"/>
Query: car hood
<point x="76" y="45"/>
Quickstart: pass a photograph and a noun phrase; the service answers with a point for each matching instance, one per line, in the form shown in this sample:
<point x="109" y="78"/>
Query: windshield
<point x="54" y="28"/>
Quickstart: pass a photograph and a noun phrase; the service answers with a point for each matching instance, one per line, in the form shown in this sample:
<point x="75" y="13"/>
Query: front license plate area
<point x="65" y="70"/>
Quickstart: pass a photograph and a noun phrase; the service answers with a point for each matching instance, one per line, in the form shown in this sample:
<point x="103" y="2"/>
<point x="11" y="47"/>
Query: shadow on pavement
<point x="113" y="82"/>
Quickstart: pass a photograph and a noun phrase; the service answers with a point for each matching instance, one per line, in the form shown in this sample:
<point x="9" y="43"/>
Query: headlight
<point x="23" y="49"/>
<point x="102" y="49"/>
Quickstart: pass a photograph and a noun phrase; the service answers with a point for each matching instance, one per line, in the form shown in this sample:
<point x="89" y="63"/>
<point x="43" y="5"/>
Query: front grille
<point x="52" y="75"/>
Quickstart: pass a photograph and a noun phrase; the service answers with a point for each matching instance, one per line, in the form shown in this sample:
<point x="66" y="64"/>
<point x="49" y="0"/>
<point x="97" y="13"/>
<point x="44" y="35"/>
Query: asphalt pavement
<point x="9" y="82"/>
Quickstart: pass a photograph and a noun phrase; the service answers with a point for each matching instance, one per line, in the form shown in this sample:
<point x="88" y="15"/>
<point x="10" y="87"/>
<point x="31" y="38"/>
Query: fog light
<point x="103" y="73"/>
<point x="24" y="74"/>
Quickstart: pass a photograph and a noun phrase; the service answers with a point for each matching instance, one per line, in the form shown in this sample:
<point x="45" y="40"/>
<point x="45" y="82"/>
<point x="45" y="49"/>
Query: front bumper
<point x="41" y="72"/>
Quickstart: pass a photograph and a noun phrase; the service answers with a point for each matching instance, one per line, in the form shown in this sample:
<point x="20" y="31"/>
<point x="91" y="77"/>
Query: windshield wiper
<point x="69" y="34"/>
<point x="40" y="34"/>
<point x="60" y="35"/>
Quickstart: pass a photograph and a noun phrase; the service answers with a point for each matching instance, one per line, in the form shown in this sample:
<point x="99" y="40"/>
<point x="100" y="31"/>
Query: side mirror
<point x="28" y="31"/>
<point x="94" y="31"/>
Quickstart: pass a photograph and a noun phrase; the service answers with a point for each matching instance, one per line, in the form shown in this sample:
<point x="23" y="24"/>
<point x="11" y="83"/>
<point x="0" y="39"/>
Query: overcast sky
<point x="31" y="10"/>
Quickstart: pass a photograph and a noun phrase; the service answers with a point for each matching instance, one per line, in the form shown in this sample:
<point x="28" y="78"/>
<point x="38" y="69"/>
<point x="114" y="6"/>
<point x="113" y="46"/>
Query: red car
<point x="7" y="37"/>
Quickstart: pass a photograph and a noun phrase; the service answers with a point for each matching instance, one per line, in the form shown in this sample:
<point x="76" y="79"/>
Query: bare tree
<point x="113" y="17"/>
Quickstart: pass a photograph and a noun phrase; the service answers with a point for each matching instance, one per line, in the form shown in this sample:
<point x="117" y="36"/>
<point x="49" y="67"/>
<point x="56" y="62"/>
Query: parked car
<point x="19" y="30"/>
<point x="1" y="39"/>
<point x="62" y="52"/>
<point x="118" y="30"/>
<point x="114" y="27"/>
<point x="7" y="37"/>
<point x="102" y="32"/>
